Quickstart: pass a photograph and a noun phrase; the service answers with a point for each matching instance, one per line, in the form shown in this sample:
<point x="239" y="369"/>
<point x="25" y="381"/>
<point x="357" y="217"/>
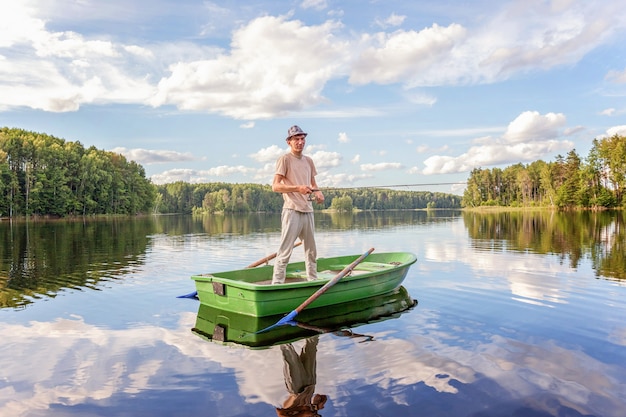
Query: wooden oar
<point x="288" y="319"/>
<point x="269" y="258"/>
<point x="252" y="265"/>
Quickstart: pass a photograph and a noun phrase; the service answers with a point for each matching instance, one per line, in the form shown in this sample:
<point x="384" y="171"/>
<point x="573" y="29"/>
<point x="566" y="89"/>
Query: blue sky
<point x="390" y="92"/>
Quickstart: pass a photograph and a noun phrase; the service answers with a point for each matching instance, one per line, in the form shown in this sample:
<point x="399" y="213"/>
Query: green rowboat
<point x="225" y="327"/>
<point x="250" y="292"/>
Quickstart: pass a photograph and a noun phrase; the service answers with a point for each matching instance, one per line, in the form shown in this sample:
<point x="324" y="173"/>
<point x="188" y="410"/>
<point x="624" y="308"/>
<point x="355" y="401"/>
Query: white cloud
<point x="392" y="20"/>
<point x="225" y="170"/>
<point x="343" y="137"/>
<point x="147" y="156"/>
<point x="421" y="99"/>
<point x="311" y="148"/>
<point x="618" y="77"/>
<point x="341" y="180"/>
<point x="44" y="85"/>
<point x="257" y="79"/>
<point x="21" y="26"/>
<point x="324" y="159"/>
<point x="61" y="70"/>
<point x="531" y="126"/>
<point x="529" y="137"/>
<point x="248" y="125"/>
<point x="573" y="130"/>
<point x="356" y="159"/>
<point x="73" y="45"/>
<point x="616" y="130"/>
<point x="381" y="166"/>
<point x="193" y="176"/>
<point x="314" y="4"/>
<point x="269" y="154"/>
<point x="517" y="37"/>
<point x="390" y="58"/>
<point x="341" y="113"/>
<point x="174" y="175"/>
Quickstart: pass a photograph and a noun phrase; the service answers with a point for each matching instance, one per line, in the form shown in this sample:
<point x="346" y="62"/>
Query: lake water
<point x="518" y="314"/>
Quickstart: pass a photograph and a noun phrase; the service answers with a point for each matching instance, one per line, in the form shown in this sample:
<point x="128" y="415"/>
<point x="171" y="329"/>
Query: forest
<point x="570" y="182"/>
<point x="41" y="175"/>
<point x="181" y="197"/>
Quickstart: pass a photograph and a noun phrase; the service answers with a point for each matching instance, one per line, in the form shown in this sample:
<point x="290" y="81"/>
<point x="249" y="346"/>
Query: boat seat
<point x="288" y="280"/>
<point x="366" y="266"/>
<point x="333" y="270"/>
<point x="374" y="266"/>
<point x="302" y="275"/>
<point x="362" y="268"/>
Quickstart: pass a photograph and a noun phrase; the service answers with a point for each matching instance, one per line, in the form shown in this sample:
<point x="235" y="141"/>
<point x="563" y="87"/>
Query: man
<point x="295" y="179"/>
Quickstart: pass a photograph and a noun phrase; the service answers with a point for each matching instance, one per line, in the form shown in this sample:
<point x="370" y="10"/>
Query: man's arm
<point x="282" y="185"/>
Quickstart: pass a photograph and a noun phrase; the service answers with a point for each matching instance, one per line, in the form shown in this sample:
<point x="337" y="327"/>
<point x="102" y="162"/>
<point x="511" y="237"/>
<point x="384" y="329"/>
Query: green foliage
<point x="46" y="176"/>
<point x="209" y="198"/>
<point x="343" y="203"/>
<point x="567" y="183"/>
<point x="219" y="197"/>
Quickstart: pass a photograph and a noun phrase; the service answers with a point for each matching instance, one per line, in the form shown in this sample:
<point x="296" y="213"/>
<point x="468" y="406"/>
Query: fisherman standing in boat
<point x="295" y="179"/>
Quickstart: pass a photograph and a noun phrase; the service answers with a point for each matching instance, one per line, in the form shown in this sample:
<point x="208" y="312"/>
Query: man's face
<point x="296" y="142"/>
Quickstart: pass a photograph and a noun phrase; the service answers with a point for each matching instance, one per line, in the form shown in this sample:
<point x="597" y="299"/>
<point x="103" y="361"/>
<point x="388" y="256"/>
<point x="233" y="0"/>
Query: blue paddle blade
<point x="190" y="295"/>
<point x="287" y="320"/>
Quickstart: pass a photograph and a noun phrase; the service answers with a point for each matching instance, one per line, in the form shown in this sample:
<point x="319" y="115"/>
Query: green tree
<point x="612" y="152"/>
<point x="50" y="176"/>
<point x="568" y="193"/>
<point x="343" y="203"/>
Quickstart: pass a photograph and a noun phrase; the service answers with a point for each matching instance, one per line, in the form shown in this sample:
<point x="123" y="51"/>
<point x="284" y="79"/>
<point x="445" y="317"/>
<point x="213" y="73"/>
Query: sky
<point x="414" y="94"/>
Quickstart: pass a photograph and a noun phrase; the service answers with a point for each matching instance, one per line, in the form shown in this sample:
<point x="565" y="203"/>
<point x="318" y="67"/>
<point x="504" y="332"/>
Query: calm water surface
<point x="517" y="315"/>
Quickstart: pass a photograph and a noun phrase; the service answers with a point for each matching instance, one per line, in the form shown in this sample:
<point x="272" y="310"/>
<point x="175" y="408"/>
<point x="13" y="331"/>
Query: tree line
<point x="182" y="197"/>
<point x="41" y="175"/>
<point x="596" y="182"/>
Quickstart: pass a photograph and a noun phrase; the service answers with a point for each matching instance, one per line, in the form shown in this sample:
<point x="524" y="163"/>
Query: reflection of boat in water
<point x="232" y="328"/>
<point x="249" y="291"/>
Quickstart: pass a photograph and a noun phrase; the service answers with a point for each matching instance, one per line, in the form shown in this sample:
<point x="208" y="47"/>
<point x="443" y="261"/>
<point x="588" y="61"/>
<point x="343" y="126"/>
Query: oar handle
<point x="269" y="257"/>
<point x="333" y="281"/>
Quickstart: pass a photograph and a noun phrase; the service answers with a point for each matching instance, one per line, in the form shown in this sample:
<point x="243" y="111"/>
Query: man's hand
<point x="318" y="196"/>
<point x="304" y="189"/>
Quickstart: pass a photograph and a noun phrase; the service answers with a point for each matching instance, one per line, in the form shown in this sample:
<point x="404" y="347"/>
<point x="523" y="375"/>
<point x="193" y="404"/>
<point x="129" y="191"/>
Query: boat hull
<point x="248" y="291"/>
<point x="226" y="327"/>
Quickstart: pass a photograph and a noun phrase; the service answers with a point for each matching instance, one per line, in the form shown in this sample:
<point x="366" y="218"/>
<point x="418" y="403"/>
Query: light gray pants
<point x="296" y="224"/>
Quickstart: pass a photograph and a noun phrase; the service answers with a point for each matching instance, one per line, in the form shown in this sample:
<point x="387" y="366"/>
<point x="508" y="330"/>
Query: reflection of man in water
<point x="300" y="379"/>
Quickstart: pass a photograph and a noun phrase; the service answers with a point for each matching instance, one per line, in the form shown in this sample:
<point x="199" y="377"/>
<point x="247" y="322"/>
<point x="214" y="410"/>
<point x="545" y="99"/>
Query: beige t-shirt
<point x="298" y="171"/>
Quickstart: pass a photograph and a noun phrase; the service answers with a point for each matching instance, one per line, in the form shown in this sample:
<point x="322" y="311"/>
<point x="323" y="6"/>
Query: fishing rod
<point x="379" y="186"/>
<point x="390" y="186"/>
